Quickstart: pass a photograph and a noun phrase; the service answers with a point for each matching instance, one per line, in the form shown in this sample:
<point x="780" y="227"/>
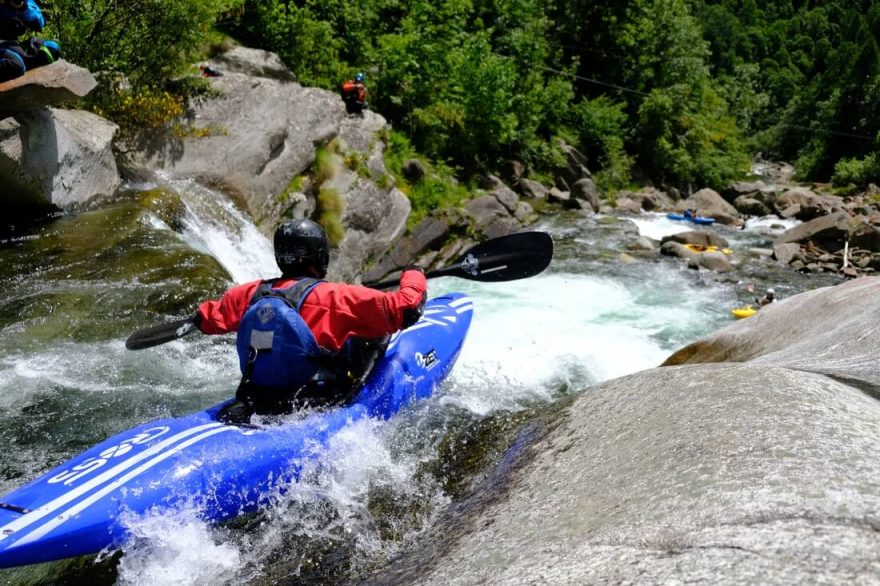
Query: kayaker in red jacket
<point x="346" y="324"/>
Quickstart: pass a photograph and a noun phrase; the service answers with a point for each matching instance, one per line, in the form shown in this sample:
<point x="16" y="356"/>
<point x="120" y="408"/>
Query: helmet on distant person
<point x="301" y="249"/>
<point x="359" y="77"/>
<point x="771" y="291"/>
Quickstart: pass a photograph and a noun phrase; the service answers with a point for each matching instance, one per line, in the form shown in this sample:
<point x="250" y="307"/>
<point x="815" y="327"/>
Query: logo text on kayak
<point x="91" y="464"/>
<point x="428" y="360"/>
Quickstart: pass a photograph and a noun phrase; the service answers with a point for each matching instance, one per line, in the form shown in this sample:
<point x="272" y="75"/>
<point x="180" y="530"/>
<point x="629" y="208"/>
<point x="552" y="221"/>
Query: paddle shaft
<point x="507" y="258"/>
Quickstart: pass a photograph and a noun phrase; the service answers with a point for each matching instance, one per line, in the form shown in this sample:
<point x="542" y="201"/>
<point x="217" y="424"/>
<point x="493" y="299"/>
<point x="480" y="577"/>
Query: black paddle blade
<point x="149" y="337"/>
<point x="508" y="258"/>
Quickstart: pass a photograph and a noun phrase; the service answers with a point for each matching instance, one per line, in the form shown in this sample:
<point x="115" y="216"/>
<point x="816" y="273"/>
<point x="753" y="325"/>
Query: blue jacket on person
<point x="15" y="22"/>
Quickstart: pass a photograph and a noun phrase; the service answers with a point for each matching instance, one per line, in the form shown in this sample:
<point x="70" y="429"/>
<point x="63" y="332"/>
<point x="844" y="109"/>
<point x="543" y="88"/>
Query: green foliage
<point x="674" y="87"/>
<point x="601" y="127"/>
<point x="435" y="191"/>
<point x="149" y="108"/>
<point x="329" y="213"/>
<point x="859" y="172"/>
<point x="146" y="40"/>
<point x="688" y="137"/>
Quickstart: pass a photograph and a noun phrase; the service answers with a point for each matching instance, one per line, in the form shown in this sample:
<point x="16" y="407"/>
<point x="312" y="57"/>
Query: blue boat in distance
<point x="227" y="470"/>
<point x="689" y="218"/>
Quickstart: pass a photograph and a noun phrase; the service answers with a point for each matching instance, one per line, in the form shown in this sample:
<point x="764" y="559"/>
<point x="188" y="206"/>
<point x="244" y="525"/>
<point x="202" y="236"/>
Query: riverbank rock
<point x="52" y="85"/>
<point x="257" y="142"/>
<point x="759" y="471"/>
<point x="709" y="203"/>
<point x="58" y="157"/>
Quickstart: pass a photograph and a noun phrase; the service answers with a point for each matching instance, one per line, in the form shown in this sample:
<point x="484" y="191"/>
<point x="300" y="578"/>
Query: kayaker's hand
<point x="412" y="315"/>
<point x="413" y="268"/>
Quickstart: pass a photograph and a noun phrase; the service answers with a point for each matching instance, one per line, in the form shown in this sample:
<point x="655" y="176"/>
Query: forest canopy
<point x="683" y="92"/>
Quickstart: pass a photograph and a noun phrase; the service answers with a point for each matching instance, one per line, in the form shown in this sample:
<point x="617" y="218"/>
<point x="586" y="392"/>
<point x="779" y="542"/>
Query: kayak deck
<point x="225" y="469"/>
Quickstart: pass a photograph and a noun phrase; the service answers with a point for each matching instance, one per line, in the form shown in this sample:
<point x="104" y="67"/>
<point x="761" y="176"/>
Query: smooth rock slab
<point x="715" y="473"/>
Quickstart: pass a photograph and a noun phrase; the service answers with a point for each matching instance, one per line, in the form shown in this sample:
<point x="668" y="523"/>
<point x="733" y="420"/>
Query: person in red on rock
<point x="303" y="340"/>
<point x="354" y="94"/>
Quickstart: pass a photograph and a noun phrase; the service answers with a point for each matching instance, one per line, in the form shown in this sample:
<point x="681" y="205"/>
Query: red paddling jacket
<point x="333" y="311"/>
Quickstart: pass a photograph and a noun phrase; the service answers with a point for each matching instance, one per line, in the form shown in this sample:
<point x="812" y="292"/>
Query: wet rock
<point x="699" y="237"/>
<point x="751" y="207"/>
<point x="554" y="195"/>
<point x="733" y="473"/>
<point x="429" y="233"/>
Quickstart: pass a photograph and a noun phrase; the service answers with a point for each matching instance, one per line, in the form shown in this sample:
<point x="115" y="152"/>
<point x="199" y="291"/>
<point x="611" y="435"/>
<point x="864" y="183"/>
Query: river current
<point x="75" y="286"/>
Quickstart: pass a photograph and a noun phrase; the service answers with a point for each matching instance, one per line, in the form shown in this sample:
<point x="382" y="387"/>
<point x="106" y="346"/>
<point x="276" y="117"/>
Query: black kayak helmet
<point x="301" y="248"/>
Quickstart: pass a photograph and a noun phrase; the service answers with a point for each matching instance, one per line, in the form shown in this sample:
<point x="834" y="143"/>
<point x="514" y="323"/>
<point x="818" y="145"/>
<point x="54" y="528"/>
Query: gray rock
<point x="715" y="261"/>
<point x="699" y="237"/>
<point x="762" y="470"/>
<point x="413" y="170"/>
<point x="709" y="203"/>
<point x="263" y="131"/>
<point x="52" y="85"/>
<point x="750" y="206"/>
<point x="785" y="253"/>
<point x="506" y="197"/>
<point x="58" y="157"/>
<point x="532" y="189"/>
<point x="490" y="217"/>
<point x="253" y="63"/>
<point x="830" y="232"/>
<point x="584" y="190"/>
<point x="714" y="473"/>
<point x="429" y="233"/>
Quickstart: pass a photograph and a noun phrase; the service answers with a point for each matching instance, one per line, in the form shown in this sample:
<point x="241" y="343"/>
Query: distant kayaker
<point x="17" y="57"/>
<point x="767" y="299"/>
<point x="303" y="340"/>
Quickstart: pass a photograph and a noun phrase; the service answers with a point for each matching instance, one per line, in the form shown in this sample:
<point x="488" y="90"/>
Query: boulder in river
<point x="761" y="469"/>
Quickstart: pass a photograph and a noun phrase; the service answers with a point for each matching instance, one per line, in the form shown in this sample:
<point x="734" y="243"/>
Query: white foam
<point x="656" y="226"/>
<point x="176" y="549"/>
<point x="215" y="226"/>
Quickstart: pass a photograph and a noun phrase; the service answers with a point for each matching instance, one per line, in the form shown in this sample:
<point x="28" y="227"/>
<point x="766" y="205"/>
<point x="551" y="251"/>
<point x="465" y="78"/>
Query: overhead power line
<point x="641" y="93"/>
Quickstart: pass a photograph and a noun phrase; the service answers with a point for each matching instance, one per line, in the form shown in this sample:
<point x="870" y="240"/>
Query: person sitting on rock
<point x="354" y="94"/>
<point x="767" y="299"/>
<point x="18" y="57"/>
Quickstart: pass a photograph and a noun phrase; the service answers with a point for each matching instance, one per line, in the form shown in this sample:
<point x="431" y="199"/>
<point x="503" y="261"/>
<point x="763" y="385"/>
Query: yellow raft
<point x="741" y="312"/>
<point x="701" y="248"/>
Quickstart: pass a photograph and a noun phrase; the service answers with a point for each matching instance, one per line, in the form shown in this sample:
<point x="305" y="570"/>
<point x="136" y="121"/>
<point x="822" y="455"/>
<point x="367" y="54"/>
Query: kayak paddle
<point x="153" y="336"/>
<point x="507" y="258"/>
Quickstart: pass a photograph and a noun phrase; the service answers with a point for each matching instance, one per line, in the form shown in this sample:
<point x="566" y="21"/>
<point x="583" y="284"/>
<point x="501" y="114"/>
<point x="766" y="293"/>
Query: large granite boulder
<point x="761" y="469"/>
<point x="52" y="85"/>
<point x="59" y="157"/>
<point x="261" y="133"/>
<point x="709" y="203"/>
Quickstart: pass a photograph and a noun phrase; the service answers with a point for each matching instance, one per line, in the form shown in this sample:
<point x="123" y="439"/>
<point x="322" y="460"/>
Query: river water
<point x="74" y="287"/>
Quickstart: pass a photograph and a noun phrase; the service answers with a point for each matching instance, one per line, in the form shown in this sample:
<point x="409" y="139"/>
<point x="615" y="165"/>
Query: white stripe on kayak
<point x="54" y="505"/>
<point x="459" y="301"/>
<point x="98" y="495"/>
<point x="465" y="308"/>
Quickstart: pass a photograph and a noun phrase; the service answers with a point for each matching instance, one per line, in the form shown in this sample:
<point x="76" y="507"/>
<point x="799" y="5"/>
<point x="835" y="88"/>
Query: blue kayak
<point x="693" y="219"/>
<point x="225" y="469"/>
